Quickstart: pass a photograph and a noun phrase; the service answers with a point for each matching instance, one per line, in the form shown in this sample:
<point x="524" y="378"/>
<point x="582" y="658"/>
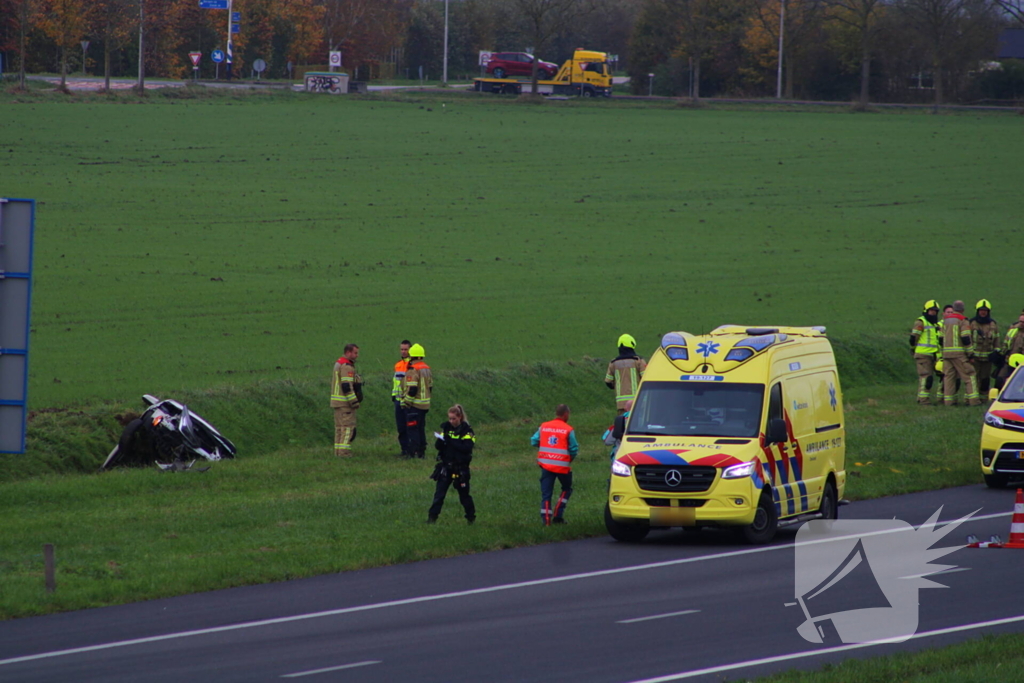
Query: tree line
<point x="871" y="50"/>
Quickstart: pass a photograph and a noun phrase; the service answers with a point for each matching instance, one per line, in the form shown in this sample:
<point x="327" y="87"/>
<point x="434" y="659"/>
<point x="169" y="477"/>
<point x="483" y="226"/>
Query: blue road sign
<point x="217" y="56"/>
<point x="17" y="217"/>
<point x="236" y="28"/>
<point x="213" y="4"/>
<point x="236" y="17"/>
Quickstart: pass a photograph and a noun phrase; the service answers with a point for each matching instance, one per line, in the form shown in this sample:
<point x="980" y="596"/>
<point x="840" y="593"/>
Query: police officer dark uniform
<point x="454" y="445"/>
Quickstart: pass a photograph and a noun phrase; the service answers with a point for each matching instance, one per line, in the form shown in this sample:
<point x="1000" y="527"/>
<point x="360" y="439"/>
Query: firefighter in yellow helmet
<point x="987" y="345"/>
<point x="1012" y="345"/>
<point x="926" y="345"/>
<point x="624" y="373"/>
<point x="346" y="395"/>
<point x="957" y="352"/>
<point x="416" y="389"/>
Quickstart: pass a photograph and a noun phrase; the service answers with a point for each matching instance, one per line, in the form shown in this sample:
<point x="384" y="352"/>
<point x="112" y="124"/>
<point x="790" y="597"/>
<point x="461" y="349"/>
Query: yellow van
<point x="1002" y="436"/>
<point x="742" y="427"/>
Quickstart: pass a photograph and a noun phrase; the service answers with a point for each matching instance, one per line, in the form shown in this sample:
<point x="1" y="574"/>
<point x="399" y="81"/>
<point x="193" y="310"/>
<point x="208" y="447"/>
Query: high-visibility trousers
<point x="925" y="363"/>
<point x="958" y="367"/>
<point x="344" y="430"/>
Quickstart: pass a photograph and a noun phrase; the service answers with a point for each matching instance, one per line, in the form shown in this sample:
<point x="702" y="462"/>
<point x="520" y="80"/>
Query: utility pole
<point x="444" y="76"/>
<point x="142" y="52"/>
<point x="782" y="29"/>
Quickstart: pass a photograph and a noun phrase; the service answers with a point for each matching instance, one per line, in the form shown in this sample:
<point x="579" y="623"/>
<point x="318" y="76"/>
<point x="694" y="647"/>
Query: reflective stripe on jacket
<point x="626" y="374"/>
<point x="954" y="327"/>
<point x="344" y="373"/>
<point x="928" y="341"/>
<point x="553" y="454"/>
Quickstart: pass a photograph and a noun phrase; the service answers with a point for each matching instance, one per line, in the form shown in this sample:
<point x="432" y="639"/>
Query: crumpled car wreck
<point x="168" y="435"/>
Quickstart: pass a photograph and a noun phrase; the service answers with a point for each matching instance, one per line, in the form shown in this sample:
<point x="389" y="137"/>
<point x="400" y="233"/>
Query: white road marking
<point x="457" y="594"/>
<point x="824" y="651"/>
<point x="941" y="572"/>
<point x="331" y="668"/>
<point x="658" y="616"/>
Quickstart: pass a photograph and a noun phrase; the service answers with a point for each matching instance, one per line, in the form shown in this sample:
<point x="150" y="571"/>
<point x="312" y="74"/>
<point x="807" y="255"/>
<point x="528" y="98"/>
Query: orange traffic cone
<point x="1017" y="523"/>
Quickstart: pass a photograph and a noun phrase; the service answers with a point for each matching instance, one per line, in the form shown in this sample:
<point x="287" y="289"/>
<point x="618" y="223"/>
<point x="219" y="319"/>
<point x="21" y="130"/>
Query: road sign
<point x="335" y="58"/>
<point x="236" y="28"/>
<point x="195" y="57"/>
<point x="85" y="45"/>
<point x="485" y="57"/>
<point x="236" y="17"/>
<point x="217" y="56"/>
<point x="213" y="4"/>
<point x="259" y="66"/>
<point x="16" y="225"/>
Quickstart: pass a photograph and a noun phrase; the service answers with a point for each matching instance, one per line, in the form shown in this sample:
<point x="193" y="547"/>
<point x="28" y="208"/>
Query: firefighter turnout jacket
<point x="557" y="444"/>
<point x="985" y="337"/>
<point x="1014" y="342"/>
<point x="956" y="336"/>
<point x="417" y="386"/>
<point x="346" y="385"/>
<point x="623" y="376"/>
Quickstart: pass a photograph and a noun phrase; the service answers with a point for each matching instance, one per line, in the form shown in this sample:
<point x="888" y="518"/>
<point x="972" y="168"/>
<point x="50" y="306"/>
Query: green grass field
<point x="220" y="248"/>
<point x="188" y="243"/>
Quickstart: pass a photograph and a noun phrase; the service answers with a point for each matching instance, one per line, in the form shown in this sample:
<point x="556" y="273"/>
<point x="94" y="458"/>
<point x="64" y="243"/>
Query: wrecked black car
<point x="168" y="435"/>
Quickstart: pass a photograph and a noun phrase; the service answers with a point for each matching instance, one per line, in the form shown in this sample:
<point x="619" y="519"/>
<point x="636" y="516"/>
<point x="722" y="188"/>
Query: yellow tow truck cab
<point x="1002" y="436"/>
<point x="585" y="75"/>
<point x="742" y="427"/>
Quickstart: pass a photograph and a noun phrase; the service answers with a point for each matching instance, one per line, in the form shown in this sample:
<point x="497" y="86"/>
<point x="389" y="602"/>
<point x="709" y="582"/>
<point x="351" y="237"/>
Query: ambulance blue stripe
<point x="803" y="496"/>
<point x="790" y="504"/>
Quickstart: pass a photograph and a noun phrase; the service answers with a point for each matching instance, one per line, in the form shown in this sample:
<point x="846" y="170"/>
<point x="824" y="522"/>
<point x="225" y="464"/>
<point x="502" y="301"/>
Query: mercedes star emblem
<point x="673" y="478"/>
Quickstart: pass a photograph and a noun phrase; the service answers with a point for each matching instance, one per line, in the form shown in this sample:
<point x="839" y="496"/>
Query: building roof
<point x="1011" y="44"/>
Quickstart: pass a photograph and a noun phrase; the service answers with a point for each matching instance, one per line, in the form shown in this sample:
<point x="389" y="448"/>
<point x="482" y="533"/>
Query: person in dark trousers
<point x="396" y="396"/>
<point x="454" y="446"/>
<point x="556" y="449"/>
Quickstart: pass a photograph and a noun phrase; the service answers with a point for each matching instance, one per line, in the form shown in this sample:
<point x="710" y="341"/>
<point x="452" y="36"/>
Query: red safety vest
<point x="554" y="447"/>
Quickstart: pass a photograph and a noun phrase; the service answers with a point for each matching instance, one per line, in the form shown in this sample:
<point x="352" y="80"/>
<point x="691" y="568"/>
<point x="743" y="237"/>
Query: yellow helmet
<point x="627" y="341"/>
<point x="931" y="303"/>
<point x="1016" y="359"/>
<point x="939" y="365"/>
<point x="983" y="303"/>
<point x="417" y="351"/>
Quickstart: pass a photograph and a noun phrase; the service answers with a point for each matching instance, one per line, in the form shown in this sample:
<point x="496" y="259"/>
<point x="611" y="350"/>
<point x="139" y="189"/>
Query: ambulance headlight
<point x="738" y="471"/>
<point x="994" y="421"/>
<point x="620" y="468"/>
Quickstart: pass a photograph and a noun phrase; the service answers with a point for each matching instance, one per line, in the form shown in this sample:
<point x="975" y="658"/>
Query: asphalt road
<point x="680" y="606"/>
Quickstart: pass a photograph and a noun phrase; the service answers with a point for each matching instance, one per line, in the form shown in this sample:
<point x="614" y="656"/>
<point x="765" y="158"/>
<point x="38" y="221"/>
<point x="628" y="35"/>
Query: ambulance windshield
<point x="1014" y="391"/>
<point x="697" y="409"/>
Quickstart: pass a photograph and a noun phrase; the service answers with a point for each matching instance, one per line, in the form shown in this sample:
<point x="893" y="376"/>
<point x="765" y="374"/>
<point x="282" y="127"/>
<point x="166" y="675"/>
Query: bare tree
<point x="1014" y="8"/>
<point x="862" y="17"/>
<point x="113" y="23"/>
<point x="700" y="24"/>
<point x="545" y="18"/>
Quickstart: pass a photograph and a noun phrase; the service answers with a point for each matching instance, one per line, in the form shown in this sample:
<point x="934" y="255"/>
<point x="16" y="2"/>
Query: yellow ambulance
<point x="742" y="427"/>
<point x="1002" y="437"/>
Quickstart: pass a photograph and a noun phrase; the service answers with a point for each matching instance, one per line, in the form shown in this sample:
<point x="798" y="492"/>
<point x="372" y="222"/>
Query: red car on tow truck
<point x="504" y="64"/>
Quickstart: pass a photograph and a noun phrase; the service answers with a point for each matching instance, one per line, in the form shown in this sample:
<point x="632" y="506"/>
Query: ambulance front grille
<point x="1009" y="458"/>
<point x="674" y="478"/>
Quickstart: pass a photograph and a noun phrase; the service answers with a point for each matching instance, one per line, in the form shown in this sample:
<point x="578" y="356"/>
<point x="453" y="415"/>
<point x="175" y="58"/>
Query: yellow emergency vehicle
<point x="742" y="427"/>
<point x="1002" y="437"/>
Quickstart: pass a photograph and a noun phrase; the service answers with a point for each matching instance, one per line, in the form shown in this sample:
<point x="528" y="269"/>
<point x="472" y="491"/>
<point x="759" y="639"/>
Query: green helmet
<point x="417" y="351"/>
<point x="627" y="341"/>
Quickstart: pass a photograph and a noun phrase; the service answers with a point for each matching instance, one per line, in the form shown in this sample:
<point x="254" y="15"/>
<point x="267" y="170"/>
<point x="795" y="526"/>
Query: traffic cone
<point x="1017" y="523"/>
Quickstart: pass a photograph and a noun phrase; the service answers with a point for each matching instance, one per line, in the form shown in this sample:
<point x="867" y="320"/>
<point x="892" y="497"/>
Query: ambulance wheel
<point x="829" y="502"/>
<point x="766" y="521"/>
<point x="627" y="533"/>
<point x="996" y="481"/>
<point x="499" y="73"/>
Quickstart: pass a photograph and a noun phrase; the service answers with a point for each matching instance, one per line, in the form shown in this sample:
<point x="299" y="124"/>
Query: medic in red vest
<point x="557" y="448"/>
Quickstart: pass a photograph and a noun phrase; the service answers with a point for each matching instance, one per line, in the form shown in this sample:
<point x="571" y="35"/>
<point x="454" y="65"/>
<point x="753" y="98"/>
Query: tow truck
<point x="585" y="75"/>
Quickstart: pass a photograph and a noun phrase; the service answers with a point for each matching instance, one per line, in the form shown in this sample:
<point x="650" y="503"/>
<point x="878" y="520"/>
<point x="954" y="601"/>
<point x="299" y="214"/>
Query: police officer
<point x="987" y="344"/>
<point x="557" y="448"/>
<point x="957" y="352"/>
<point x="396" y="395"/>
<point x="624" y="373"/>
<point x="416" y="389"/>
<point x="346" y="395"/>
<point x="926" y="344"/>
<point x="454" y="446"/>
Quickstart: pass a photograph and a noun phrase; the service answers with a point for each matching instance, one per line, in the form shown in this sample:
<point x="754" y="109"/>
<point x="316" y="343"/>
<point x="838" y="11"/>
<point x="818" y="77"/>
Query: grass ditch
<point x="265" y="416"/>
